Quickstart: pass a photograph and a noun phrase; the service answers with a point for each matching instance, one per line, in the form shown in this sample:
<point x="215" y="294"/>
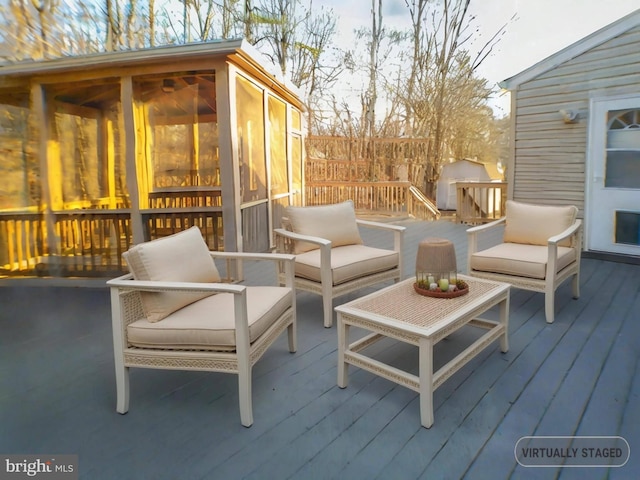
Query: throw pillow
<point x="182" y="257"/>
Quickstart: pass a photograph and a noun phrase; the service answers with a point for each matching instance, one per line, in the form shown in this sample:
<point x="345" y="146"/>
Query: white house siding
<point x="550" y="156"/>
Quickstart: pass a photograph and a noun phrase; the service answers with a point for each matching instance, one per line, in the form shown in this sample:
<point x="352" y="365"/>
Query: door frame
<point x="594" y="142"/>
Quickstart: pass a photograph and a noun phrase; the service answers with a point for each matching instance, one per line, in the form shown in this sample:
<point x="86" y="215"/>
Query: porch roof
<point x="238" y="51"/>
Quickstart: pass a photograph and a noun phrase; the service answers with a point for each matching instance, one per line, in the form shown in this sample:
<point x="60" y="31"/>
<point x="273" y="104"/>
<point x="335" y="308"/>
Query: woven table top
<point x="401" y="302"/>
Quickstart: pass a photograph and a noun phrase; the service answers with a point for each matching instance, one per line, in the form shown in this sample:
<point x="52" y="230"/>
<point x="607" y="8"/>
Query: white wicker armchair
<point x="177" y="315"/>
<point x="541" y="249"/>
<point x="331" y="259"/>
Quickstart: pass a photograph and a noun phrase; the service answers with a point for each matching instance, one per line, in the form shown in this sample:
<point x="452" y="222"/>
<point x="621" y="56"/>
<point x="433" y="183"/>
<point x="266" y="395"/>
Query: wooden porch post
<point x="129" y="129"/>
<point x="45" y="128"/>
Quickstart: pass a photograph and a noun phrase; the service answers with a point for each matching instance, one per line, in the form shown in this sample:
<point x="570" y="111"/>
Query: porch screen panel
<point x="79" y="171"/>
<point x="251" y="140"/>
<point x="278" y="146"/>
<point x="296" y="156"/>
<point x="85" y="155"/>
<point x="183" y="130"/>
<point x="19" y="168"/>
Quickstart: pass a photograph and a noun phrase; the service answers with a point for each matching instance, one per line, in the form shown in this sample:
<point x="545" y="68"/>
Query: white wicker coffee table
<point x="399" y="312"/>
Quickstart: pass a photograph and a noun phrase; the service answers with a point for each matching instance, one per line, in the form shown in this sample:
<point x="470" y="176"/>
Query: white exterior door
<point x="613" y="176"/>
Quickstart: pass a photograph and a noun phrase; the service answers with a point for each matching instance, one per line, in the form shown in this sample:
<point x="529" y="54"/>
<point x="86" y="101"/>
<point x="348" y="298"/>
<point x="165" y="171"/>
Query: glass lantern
<point x="436" y="265"/>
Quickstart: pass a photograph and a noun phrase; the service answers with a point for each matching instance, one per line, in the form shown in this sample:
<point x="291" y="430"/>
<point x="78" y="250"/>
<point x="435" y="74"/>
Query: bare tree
<point x="248" y="20"/>
<point x="230" y="17"/>
<point x="151" y="24"/>
<point x="417" y="10"/>
<point x="371" y="96"/>
<point x="298" y="41"/>
<point x="125" y="26"/>
<point x="28" y="30"/>
<point x="280" y="21"/>
<point x="112" y="21"/>
<point x="442" y="97"/>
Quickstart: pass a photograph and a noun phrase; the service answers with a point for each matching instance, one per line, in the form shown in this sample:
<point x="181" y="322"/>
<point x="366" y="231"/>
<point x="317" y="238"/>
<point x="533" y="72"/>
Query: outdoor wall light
<point x="569" y="116"/>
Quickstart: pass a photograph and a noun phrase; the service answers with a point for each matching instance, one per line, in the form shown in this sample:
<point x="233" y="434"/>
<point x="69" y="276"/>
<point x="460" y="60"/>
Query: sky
<point x="540" y="28"/>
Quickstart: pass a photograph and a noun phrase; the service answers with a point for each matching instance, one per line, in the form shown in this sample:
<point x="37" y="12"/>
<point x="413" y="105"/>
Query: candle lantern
<point x="436" y="264"/>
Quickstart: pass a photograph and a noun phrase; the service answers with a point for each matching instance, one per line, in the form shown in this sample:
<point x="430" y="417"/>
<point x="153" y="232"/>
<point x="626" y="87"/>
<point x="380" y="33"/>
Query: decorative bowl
<point x="463" y="289"/>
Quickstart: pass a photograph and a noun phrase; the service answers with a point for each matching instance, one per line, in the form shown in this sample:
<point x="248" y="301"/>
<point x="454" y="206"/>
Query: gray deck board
<point x="541" y="397"/>
<point x="578" y="376"/>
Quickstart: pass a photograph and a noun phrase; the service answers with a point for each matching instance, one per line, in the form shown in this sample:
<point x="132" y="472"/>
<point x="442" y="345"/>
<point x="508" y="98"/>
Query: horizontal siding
<point x="550" y="156"/>
<point x="615" y="53"/>
<point x="574" y="94"/>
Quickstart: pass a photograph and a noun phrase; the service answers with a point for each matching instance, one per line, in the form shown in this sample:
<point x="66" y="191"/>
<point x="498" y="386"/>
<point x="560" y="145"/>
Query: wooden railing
<point x="22" y="241"/>
<point x="386" y="198"/>
<point x="480" y="202"/>
<point x="159" y="224"/>
<point x="84" y="243"/>
<point x="419" y="206"/>
<point x="184" y="198"/>
<point x="89" y="242"/>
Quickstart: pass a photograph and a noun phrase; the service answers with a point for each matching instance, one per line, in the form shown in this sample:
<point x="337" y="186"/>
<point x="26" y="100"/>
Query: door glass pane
<point x="623" y="149"/>
<point x="623" y="169"/>
<point x="628" y="228"/>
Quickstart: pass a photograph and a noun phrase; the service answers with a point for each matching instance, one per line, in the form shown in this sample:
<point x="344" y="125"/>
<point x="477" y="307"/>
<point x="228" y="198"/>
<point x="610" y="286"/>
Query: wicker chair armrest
<point x="274" y="257"/>
<point x="380" y="225"/>
<point x="126" y="282"/>
<point x="473" y="233"/>
<point x="486" y="226"/>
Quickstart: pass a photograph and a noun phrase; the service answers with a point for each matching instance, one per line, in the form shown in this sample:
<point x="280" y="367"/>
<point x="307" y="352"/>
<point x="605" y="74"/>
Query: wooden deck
<point x="578" y="376"/>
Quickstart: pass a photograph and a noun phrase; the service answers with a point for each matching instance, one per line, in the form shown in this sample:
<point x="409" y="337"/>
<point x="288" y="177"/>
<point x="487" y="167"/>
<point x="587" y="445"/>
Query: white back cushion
<point x="336" y="223"/>
<point x="534" y="224"/>
<point x="182" y="257"/>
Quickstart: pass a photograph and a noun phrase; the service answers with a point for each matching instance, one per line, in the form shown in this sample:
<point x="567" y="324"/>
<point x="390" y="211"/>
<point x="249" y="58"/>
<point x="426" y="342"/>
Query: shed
<point x="464" y="170"/>
<point x="576" y="134"/>
<point x="102" y="151"/>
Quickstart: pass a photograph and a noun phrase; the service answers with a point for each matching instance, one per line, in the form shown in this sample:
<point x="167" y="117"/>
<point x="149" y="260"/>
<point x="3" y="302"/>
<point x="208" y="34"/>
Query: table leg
<point x="426" y="382"/>
<point x="343" y="341"/>
<point x="504" y="320"/>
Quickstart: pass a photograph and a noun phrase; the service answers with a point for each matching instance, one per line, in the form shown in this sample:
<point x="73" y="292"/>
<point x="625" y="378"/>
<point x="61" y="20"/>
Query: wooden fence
<point x="384" y="150"/>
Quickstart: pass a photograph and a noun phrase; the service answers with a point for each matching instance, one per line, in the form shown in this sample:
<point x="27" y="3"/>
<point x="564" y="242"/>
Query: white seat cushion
<point x="520" y="260"/>
<point x="347" y="263"/>
<point x="336" y="223"/>
<point x="208" y="324"/>
<point x="182" y="257"/>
